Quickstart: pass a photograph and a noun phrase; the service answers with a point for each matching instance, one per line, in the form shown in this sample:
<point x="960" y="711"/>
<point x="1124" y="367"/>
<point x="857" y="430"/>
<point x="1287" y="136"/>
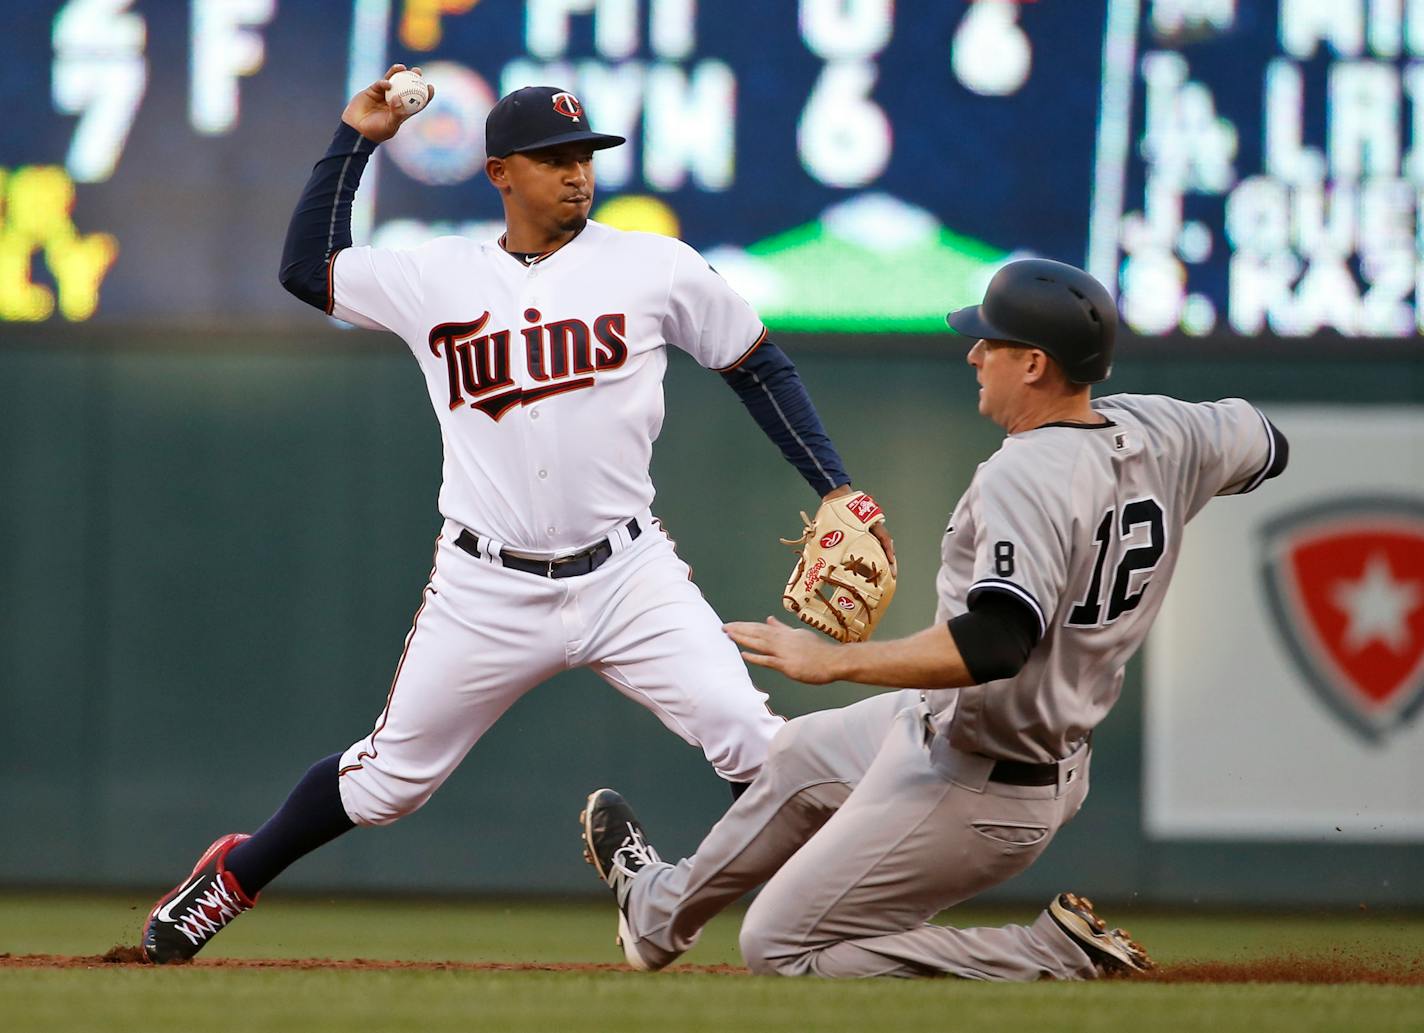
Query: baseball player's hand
<point x="802" y="655"/>
<point x="371" y="115"/>
<point x="879" y="530"/>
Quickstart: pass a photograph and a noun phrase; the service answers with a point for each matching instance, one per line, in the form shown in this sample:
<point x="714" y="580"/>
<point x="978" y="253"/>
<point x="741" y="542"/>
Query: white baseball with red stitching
<point x="409" y="90"/>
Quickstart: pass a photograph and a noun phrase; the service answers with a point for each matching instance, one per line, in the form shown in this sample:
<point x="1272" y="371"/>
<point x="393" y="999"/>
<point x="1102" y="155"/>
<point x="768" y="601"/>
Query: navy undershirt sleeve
<point x="768" y="385"/>
<point x="321" y="223"/>
<point x="995" y="636"/>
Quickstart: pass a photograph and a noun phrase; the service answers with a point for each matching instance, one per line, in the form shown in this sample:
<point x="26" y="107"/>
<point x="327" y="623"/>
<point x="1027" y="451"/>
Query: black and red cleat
<point x="197" y="909"/>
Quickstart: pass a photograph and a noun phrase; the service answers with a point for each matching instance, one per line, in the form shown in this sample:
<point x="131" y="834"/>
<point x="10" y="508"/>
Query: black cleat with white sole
<point x="614" y="843"/>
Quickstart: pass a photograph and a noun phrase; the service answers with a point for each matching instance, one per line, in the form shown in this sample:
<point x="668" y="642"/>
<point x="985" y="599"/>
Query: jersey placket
<point x="539" y="427"/>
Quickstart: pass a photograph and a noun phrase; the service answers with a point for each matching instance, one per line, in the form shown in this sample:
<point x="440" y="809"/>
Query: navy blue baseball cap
<point x="540" y="116"/>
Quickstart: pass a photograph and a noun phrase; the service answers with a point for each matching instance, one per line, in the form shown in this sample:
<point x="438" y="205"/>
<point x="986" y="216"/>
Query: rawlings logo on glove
<point x="843" y="580"/>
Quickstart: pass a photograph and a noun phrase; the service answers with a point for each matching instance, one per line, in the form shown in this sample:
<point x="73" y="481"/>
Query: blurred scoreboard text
<point x="1234" y="170"/>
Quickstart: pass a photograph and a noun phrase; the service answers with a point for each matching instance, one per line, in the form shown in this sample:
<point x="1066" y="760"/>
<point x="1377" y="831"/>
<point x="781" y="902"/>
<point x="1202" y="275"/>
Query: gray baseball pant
<point x="864" y="825"/>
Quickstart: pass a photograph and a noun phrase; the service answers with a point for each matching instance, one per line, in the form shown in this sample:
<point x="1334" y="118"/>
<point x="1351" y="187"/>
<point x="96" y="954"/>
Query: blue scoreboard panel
<point x="1232" y="170"/>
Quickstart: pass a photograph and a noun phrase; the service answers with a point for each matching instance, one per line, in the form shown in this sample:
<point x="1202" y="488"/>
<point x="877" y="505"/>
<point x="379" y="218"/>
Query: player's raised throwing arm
<point x="321" y="223"/>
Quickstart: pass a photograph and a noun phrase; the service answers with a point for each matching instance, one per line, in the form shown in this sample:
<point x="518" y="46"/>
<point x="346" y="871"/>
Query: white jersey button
<point x="533" y="414"/>
<point x="543" y="474"/>
<point x="552" y="529"/>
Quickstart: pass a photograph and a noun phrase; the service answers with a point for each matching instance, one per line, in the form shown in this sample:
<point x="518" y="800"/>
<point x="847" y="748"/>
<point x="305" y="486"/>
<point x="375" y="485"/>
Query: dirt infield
<point x="1402" y="971"/>
<point x="1386" y="971"/>
<point x="124" y="956"/>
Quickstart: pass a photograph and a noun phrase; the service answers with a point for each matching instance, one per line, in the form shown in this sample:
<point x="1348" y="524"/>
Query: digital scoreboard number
<point x="1232" y="170"/>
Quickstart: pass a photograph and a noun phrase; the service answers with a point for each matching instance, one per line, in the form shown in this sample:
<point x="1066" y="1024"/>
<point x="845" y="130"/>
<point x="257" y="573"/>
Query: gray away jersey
<point x="1084" y="524"/>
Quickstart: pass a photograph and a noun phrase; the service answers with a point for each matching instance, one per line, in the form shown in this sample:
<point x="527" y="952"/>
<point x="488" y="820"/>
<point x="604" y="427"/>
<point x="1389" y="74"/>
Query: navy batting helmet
<point x="1047" y="305"/>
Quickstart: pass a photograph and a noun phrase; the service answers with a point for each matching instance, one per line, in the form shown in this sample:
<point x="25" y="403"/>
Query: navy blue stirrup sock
<point x="312" y="816"/>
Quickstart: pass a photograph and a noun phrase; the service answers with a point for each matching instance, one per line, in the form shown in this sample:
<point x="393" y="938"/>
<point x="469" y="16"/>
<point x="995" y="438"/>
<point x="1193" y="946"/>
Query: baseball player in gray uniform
<point x="867" y="821"/>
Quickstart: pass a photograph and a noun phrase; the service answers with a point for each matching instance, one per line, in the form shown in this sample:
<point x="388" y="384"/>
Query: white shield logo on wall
<point x="1345" y="582"/>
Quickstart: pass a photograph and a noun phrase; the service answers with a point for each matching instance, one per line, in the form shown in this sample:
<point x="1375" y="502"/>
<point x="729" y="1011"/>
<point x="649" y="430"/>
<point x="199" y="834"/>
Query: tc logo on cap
<point x="568" y="105"/>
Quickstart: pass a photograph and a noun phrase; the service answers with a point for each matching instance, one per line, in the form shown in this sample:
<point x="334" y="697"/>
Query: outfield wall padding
<point x="210" y="554"/>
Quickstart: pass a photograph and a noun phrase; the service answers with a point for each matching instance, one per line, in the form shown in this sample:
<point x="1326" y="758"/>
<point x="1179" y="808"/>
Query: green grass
<point x="195" y="999"/>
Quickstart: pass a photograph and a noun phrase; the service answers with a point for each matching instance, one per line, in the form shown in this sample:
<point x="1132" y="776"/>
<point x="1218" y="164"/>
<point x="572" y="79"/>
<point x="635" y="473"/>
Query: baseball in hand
<point x="408" y="90"/>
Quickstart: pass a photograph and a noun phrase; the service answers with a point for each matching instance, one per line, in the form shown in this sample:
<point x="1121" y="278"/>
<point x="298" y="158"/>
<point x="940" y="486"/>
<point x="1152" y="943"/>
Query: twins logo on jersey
<point x="1345" y="583"/>
<point x="562" y="354"/>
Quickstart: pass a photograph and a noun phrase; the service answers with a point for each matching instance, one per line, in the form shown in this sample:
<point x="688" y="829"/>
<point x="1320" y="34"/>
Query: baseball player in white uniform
<point x="543" y="353"/>
<point x="869" y="820"/>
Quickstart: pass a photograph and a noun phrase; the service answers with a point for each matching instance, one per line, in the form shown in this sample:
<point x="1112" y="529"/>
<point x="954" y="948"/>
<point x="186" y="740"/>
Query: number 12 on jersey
<point x="1140" y="559"/>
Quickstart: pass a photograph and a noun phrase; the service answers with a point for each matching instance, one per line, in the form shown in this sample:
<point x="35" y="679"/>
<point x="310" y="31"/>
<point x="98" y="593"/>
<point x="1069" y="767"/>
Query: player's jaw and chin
<point x="575" y="222"/>
<point x="553" y="187"/>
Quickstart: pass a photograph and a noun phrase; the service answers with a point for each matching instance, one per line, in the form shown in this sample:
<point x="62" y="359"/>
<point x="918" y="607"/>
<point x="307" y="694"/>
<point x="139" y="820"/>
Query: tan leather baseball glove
<point x="843" y="582"/>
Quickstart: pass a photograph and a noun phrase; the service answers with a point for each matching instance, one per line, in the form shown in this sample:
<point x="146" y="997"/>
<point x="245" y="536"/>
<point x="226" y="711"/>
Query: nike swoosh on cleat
<point x="163" y="913"/>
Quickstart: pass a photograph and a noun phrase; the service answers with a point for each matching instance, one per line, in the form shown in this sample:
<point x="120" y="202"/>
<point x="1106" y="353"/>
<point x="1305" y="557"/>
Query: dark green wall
<point x="210" y="553"/>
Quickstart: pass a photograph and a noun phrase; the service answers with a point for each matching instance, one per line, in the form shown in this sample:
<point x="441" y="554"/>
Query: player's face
<point x="553" y="187"/>
<point x="1000" y="370"/>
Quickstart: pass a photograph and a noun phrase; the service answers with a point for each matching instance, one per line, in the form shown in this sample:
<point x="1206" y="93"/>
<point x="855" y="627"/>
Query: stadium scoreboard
<point x="1231" y="170"/>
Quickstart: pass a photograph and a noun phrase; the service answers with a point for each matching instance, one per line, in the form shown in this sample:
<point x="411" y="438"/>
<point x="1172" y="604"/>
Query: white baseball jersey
<point x="547" y="378"/>
<point x="1084" y="524"/>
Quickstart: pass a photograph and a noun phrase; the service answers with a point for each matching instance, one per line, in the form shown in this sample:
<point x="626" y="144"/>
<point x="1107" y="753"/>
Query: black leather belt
<point x="1021" y="773"/>
<point x="572" y="565"/>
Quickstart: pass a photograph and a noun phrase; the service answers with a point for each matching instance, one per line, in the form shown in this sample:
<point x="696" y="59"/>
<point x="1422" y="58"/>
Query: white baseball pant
<point x="486" y="634"/>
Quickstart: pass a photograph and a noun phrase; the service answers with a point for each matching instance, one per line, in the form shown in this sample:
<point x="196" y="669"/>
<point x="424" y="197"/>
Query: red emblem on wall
<point x="1345" y="580"/>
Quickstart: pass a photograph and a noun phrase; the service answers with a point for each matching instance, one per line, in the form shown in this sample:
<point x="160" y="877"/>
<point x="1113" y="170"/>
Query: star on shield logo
<point x="1345" y="582"/>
